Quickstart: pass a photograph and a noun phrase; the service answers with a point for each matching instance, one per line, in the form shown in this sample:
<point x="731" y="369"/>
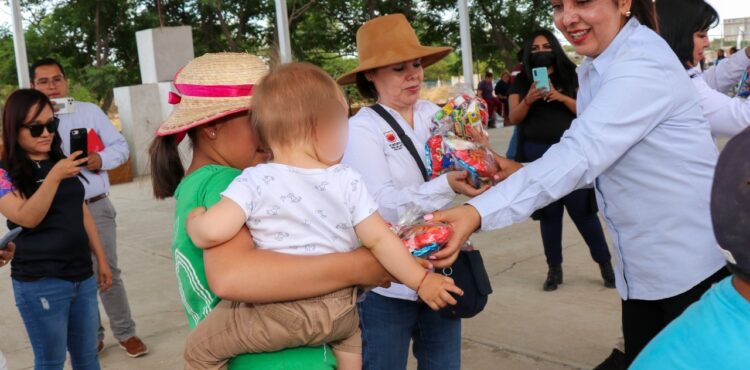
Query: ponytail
<point x="645" y="12"/>
<point x="166" y="166"/>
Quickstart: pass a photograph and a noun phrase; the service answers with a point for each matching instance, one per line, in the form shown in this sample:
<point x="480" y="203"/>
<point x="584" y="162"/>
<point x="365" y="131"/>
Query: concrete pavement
<point x="521" y="328"/>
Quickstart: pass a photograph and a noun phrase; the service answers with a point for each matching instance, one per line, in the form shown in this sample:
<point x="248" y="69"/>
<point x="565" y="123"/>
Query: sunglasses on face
<point x="36" y="129"/>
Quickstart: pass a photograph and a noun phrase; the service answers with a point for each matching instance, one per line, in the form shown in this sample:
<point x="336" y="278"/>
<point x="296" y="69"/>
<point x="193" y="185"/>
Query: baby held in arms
<point x="303" y="202"/>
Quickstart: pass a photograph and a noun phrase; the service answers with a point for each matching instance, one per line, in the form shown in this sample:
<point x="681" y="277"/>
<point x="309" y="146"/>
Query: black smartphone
<point x="79" y="141"/>
<point x="8" y="237"/>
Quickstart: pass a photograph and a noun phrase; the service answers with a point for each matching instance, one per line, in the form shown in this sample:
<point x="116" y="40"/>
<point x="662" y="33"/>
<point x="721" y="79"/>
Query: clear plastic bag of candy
<point x="459" y="113"/>
<point x="421" y="238"/>
<point x="448" y="152"/>
<point x="743" y="88"/>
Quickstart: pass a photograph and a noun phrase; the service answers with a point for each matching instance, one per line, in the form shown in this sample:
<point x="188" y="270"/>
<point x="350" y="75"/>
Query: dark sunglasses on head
<point x="36" y="129"/>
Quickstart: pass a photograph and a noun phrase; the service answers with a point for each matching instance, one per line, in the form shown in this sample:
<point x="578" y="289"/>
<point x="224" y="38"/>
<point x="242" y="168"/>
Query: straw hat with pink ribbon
<point x="210" y="87"/>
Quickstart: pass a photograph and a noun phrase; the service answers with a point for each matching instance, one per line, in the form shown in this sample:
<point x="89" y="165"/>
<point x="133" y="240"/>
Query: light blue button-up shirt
<point x="116" y="150"/>
<point x="642" y="140"/>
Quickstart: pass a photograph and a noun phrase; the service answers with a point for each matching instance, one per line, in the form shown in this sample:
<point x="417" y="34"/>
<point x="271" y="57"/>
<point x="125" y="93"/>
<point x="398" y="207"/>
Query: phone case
<point x="7" y="238"/>
<point x="79" y="141"/>
<point x="541" y="78"/>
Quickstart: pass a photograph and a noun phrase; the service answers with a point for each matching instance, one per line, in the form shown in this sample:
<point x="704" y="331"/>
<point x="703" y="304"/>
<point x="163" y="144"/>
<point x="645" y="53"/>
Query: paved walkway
<point x="521" y="328"/>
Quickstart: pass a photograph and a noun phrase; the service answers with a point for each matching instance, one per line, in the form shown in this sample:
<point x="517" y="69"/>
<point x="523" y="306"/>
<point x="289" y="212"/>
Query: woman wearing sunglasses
<point x="52" y="274"/>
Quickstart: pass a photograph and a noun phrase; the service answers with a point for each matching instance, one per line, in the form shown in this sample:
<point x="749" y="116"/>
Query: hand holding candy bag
<point x="420" y="237"/>
<point x="448" y="152"/>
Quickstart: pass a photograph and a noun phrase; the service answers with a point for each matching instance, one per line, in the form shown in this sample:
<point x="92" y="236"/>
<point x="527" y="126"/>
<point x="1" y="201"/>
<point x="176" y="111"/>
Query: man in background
<point x="48" y="76"/>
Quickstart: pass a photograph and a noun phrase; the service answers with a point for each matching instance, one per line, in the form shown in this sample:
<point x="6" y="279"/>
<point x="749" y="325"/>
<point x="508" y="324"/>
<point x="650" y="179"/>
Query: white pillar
<point x="282" y="28"/>
<point x="466" y="59"/>
<point x="19" y="44"/>
<point x="740" y="37"/>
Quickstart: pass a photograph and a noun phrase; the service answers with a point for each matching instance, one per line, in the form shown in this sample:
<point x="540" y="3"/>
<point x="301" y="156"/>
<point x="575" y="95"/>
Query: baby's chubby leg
<point x="348" y="360"/>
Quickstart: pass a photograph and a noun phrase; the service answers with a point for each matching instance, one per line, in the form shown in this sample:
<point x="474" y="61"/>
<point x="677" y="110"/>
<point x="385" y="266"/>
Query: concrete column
<point x="282" y="29"/>
<point x="19" y="45"/>
<point x="466" y="58"/>
<point x="161" y="53"/>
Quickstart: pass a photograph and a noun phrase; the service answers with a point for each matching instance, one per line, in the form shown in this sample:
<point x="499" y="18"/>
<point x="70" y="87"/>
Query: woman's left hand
<point x="465" y="220"/>
<point x="104" y="278"/>
<point x="7" y="254"/>
<point x="555" y="95"/>
<point x="460" y="182"/>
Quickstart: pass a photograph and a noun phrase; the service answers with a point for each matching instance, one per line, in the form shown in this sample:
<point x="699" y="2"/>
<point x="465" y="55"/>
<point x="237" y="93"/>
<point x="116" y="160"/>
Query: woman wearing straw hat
<point x="391" y="72"/>
<point x="212" y="110"/>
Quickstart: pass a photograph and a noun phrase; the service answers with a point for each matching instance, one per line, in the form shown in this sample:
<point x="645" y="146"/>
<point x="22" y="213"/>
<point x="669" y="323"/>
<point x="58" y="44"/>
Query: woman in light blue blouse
<point x="641" y="139"/>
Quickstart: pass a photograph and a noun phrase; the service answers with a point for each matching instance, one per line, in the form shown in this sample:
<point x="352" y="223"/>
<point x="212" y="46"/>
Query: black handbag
<point x="469" y="274"/>
<point x="468" y="270"/>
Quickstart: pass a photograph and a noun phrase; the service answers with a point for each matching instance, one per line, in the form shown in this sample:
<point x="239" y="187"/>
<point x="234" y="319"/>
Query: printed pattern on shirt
<point x="302" y="211"/>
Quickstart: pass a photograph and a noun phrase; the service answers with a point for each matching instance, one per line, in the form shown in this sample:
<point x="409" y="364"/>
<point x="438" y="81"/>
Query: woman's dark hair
<point x="164" y="158"/>
<point x="16" y="161"/>
<point x="366" y="88"/>
<point x="565" y="78"/>
<point x="166" y="166"/>
<point x="679" y="20"/>
<point x="645" y="12"/>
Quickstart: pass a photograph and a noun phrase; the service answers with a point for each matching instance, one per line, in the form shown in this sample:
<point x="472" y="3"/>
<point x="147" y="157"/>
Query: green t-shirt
<point x="203" y="187"/>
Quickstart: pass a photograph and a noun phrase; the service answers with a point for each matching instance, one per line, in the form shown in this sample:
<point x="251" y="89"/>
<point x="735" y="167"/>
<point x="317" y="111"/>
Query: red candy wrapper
<point x="448" y="152"/>
<point x="425" y="238"/>
<point x="421" y="238"/>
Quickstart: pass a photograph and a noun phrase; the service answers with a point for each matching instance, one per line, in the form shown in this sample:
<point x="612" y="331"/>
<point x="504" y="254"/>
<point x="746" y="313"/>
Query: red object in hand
<point x="418" y="236"/>
<point x="95" y="144"/>
<point x="435" y="146"/>
<point x="478" y="160"/>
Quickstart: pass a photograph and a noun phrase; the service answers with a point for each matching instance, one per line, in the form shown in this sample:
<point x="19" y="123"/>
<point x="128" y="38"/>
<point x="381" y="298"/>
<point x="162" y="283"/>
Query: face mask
<point x="542" y="59"/>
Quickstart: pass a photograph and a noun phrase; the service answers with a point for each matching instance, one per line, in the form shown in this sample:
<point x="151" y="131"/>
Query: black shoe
<point x="554" y="278"/>
<point x="608" y="275"/>
<point x="615" y="361"/>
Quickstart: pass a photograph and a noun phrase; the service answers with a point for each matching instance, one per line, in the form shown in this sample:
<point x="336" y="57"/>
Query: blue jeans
<point x="513" y="145"/>
<point x="60" y="316"/>
<point x="388" y="324"/>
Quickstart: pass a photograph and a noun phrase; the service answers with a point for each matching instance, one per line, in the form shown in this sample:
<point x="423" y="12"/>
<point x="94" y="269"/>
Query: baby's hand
<point x="436" y="289"/>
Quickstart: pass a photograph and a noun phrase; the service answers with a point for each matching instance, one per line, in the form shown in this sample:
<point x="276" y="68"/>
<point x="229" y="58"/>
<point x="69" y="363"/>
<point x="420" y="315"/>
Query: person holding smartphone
<point x="542" y="117"/>
<point x="53" y="279"/>
<point x="48" y="76"/>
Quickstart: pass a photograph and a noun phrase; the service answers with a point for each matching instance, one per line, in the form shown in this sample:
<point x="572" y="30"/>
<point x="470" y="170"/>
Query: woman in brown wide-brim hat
<point x="390" y="72"/>
<point x="211" y="110"/>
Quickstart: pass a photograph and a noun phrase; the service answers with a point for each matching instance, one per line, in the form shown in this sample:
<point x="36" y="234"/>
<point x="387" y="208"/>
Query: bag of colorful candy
<point x="448" y="152"/>
<point x="743" y="89"/>
<point x="459" y="113"/>
<point x="421" y="238"/>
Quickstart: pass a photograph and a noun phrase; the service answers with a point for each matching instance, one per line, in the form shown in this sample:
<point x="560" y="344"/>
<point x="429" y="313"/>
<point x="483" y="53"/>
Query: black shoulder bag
<point x="468" y="271"/>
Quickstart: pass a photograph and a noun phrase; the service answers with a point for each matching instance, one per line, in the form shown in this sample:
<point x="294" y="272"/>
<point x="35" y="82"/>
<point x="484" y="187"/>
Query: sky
<point x="725" y="8"/>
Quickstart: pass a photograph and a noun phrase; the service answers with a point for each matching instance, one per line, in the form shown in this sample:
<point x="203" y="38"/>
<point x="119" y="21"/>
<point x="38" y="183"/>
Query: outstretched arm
<point x="434" y="289"/>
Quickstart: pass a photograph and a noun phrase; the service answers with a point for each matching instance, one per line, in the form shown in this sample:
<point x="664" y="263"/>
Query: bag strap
<point x="402" y="136"/>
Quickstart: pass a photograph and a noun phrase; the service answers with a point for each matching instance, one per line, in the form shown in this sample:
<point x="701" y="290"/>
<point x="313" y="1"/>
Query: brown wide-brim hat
<point x="210" y="87"/>
<point x="387" y="40"/>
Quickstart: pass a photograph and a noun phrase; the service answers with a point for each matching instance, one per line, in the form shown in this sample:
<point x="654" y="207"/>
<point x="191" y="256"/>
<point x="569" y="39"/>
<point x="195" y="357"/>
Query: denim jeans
<point x="60" y="316"/>
<point x="389" y="324"/>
